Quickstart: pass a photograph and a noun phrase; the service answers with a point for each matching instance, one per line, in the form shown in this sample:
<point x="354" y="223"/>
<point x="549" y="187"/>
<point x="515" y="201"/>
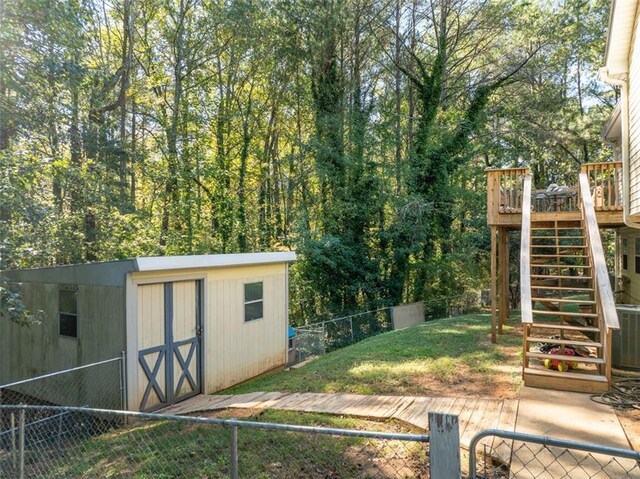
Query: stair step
<point x="562" y="300"/>
<point x="565" y="246"/>
<point x="563" y="228"/>
<point x="563" y="357"/>
<point x="556" y="237"/>
<point x="558" y="256"/>
<point x="564" y="313"/>
<point x="562" y="288"/>
<point x="568" y="375"/>
<point x="548" y="265"/>
<point x="565" y="327"/>
<point x="556" y="276"/>
<point x="565" y="342"/>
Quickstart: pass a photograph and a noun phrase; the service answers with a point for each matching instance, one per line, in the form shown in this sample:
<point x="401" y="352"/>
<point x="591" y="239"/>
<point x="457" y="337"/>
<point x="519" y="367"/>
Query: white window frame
<point x="72" y="289"/>
<point x="255" y="301"/>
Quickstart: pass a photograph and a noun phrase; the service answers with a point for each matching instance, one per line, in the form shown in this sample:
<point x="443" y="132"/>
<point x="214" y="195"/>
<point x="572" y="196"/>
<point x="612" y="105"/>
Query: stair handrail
<point x="526" y="308"/>
<point x="601" y="283"/>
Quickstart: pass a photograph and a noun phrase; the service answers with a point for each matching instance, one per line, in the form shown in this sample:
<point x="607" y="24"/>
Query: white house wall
<point x="634" y="123"/>
<point x="630" y="278"/>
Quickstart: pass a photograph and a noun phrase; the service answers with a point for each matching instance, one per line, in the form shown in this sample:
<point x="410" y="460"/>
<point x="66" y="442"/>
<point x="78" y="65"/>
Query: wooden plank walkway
<point x="475" y="414"/>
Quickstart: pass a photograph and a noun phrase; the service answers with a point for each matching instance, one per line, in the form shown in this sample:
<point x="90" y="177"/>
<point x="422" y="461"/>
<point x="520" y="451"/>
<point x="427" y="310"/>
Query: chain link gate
<point x="525" y="456"/>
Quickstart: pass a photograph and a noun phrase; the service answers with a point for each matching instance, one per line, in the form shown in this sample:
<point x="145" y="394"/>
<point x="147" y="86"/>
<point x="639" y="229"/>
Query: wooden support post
<point x="494" y="291"/>
<point x="503" y="276"/>
<point x="444" y="446"/>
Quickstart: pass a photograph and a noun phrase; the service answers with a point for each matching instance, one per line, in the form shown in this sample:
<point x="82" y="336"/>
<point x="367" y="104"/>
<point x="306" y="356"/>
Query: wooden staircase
<point x="567" y="303"/>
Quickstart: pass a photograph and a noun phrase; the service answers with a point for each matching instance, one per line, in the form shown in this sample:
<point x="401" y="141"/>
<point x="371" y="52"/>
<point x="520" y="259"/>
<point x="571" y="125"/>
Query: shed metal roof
<point x="161" y="263"/>
<point x="113" y="273"/>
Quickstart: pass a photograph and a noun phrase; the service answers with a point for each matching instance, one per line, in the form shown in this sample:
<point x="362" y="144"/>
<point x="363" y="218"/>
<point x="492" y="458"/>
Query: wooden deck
<point x="505" y="194"/>
<point x="474" y="414"/>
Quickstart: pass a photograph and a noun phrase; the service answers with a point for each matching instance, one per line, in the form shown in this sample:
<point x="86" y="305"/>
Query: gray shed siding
<point x="28" y="351"/>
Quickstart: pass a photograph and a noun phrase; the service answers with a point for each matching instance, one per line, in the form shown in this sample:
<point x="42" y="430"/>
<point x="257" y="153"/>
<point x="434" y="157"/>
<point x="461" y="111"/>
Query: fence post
<point x="351" y="324"/>
<point x="444" y="446"/>
<point x="14" y="457"/>
<point x="21" y="443"/>
<point x="123" y="381"/>
<point x="234" y="452"/>
<point x="60" y="426"/>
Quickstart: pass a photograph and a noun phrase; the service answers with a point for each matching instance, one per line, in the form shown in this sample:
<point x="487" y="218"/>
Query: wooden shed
<point x="188" y="324"/>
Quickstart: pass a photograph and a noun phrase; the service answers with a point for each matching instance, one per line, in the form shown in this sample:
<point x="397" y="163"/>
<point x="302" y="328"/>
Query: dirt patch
<point x="238" y="413"/>
<point x="630" y="420"/>
<point x="473" y="384"/>
<point x="498" y="381"/>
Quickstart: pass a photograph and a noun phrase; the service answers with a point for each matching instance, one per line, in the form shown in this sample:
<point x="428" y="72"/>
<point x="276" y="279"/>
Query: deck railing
<point x="505" y="186"/>
<point x="605" y="181"/>
<point x="525" y="255"/>
<point x="505" y="193"/>
<point x="555" y="198"/>
<point x="526" y="305"/>
<point x="603" y="295"/>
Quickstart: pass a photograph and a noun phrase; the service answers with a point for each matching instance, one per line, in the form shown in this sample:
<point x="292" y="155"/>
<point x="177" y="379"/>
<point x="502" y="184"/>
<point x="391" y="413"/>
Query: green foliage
<point x="13" y="308"/>
<point x="353" y="132"/>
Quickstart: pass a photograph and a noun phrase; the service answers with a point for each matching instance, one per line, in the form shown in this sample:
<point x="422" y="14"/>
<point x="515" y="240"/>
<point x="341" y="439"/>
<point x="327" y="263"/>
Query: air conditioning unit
<point x="626" y="341"/>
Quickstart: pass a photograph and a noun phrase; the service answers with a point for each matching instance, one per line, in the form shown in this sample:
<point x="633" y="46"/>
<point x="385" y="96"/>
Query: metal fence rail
<point x="525" y="456"/>
<point x="159" y="446"/>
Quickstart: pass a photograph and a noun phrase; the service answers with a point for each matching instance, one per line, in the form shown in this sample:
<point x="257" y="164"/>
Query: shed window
<point x="253" y="301"/>
<point x="637" y="253"/>
<point x="68" y="312"/>
<point x="625" y="253"/>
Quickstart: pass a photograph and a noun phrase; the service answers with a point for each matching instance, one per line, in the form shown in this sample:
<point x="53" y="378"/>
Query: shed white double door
<point x="169" y="342"/>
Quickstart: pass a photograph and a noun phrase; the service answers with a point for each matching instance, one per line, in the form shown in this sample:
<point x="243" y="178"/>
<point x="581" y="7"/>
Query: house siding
<point x="629" y="289"/>
<point x="634" y="123"/>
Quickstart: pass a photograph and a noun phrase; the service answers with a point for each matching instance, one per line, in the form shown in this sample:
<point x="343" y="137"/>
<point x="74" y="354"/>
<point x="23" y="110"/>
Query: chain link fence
<point x="521" y="456"/>
<point x="452" y="306"/>
<point x="84" y="442"/>
<point x="320" y="338"/>
<point x="101" y="385"/>
<point x="341" y="332"/>
<point x="308" y="342"/>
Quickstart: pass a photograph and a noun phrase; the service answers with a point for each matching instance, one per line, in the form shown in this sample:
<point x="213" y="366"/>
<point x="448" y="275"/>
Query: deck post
<point x="444" y="446"/>
<point x="503" y="258"/>
<point x="493" y="284"/>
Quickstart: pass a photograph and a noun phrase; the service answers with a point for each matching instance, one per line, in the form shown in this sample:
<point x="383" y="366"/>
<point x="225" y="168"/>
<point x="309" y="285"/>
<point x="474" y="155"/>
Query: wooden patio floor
<point x="475" y="414"/>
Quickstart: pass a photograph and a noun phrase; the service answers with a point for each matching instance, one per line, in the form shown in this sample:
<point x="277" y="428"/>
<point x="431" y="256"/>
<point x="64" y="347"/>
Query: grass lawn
<point x="165" y="449"/>
<point x="452" y="356"/>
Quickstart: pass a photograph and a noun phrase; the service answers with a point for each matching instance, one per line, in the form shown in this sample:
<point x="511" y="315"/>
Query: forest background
<point x="355" y="132"/>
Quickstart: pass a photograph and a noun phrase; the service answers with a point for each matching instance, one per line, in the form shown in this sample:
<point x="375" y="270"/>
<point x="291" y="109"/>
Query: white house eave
<point x="620" y="33"/>
<point x="612" y="131"/>
<point x="163" y="263"/>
